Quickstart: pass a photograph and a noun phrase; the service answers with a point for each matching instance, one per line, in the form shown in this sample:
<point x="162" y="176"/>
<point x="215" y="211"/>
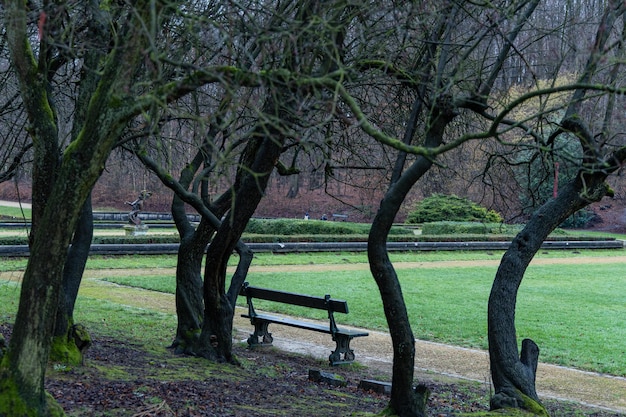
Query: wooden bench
<point x="262" y="337"/>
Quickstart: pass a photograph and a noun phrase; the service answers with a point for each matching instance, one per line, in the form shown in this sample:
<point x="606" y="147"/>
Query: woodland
<point x="219" y="107"/>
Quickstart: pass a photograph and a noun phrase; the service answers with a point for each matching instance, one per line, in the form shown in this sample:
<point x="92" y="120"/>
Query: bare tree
<point x="245" y="131"/>
<point x="443" y="89"/>
<point x="14" y="152"/>
<point x="464" y="53"/>
<point x="120" y="83"/>
<point x="602" y="152"/>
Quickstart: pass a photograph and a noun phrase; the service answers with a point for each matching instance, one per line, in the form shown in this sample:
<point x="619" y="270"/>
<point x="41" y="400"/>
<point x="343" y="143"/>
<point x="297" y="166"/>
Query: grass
<point x="599" y="234"/>
<point x="576" y="313"/>
<point x="147" y="327"/>
<point x="142" y="326"/>
<point x="14" y="213"/>
<point x="314" y="258"/>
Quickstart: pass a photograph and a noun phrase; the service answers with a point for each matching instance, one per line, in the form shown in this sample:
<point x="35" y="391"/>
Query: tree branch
<point x="15" y="164"/>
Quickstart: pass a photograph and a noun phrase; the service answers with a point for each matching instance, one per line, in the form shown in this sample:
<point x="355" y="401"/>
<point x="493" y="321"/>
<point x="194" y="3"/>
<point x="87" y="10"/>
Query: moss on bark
<point x="69" y="349"/>
<point x="505" y="412"/>
<point x="514" y="398"/>
<point x="13" y="404"/>
<point x="65" y="351"/>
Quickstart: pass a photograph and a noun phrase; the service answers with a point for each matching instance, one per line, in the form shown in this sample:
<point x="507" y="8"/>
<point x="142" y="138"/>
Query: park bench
<point x="262" y="337"/>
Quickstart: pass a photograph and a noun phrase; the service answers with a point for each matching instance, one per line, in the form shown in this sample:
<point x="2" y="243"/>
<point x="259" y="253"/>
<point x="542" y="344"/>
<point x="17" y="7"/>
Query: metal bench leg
<point x="260" y="331"/>
<point x="342" y="354"/>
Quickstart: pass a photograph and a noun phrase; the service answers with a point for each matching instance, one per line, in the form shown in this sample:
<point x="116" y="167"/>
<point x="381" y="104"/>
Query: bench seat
<point x="262" y="337"/>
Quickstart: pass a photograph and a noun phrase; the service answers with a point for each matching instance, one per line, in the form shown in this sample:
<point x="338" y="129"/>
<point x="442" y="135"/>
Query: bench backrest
<point x="321" y="303"/>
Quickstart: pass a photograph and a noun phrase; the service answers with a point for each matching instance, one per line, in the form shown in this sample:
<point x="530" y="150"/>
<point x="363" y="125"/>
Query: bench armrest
<point x="251" y="311"/>
<point x="331" y="315"/>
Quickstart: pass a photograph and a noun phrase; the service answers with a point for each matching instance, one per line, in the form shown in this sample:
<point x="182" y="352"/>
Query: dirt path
<point x="434" y="360"/>
<point x="15" y="204"/>
<point x="365" y="266"/>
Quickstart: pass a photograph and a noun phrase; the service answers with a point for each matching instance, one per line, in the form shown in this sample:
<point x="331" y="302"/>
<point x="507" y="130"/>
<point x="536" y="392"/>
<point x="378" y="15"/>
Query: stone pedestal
<point x="136" y="230"/>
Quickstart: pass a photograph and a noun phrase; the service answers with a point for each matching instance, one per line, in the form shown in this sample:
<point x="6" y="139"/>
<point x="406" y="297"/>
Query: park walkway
<point x="15" y="204"/>
<point x="436" y="360"/>
<point x="433" y="360"/>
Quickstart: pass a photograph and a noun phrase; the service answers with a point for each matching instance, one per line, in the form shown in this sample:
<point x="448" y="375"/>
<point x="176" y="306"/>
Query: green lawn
<point x="316" y="258"/>
<point x="15" y="213"/>
<point x="145" y="327"/>
<point x="575" y="312"/>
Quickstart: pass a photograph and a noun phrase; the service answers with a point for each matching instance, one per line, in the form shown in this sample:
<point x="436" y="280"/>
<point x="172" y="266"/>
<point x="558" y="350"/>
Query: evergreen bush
<point x="454" y="228"/>
<point x="440" y="207"/>
<point x="303" y="227"/>
<point x="310" y="227"/>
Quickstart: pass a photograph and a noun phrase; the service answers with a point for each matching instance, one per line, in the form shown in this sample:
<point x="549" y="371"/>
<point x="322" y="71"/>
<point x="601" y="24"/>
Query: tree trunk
<point x="405" y="400"/>
<point x="71" y="340"/>
<point x="514" y="374"/>
<point x="216" y="337"/>
<point x="28" y="352"/>
<point x="59" y="192"/>
<point x="189" y="302"/>
<point x="193" y="243"/>
<point x="294" y="186"/>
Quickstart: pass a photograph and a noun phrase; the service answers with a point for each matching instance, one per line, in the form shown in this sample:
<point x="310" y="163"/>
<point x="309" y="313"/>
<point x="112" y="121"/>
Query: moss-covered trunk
<point x="59" y="191"/>
<point x="71" y="340"/>
<point x="189" y="301"/>
<point x="23" y="367"/>
<point x="514" y="372"/>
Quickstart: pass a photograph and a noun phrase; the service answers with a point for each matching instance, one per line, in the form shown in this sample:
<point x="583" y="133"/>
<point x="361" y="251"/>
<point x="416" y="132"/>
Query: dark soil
<point x="126" y="379"/>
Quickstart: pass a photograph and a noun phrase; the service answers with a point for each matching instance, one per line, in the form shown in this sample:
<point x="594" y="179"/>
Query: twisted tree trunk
<point x="71" y="340"/>
<point x="405" y="400"/>
<point x="215" y="341"/>
<point x="513" y="373"/>
<point x="189" y="303"/>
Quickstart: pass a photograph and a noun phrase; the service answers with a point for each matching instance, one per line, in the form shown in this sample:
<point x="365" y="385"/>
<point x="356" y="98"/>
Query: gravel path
<point x="14" y="204"/>
<point x="433" y="360"/>
<point x="436" y="359"/>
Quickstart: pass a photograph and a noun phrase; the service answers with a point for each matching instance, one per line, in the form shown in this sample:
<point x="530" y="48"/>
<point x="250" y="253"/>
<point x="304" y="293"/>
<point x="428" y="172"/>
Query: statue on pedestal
<point x="133" y="216"/>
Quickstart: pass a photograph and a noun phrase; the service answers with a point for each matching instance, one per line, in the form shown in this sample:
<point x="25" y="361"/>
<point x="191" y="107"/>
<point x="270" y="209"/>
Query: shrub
<point x="104" y="240"/>
<point x="13" y="240"/>
<point x="580" y="219"/>
<point x="303" y="227"/>
<point x="454" y="228"/>
<point x="439" y="207"/>
<point x="289" y="227"/>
